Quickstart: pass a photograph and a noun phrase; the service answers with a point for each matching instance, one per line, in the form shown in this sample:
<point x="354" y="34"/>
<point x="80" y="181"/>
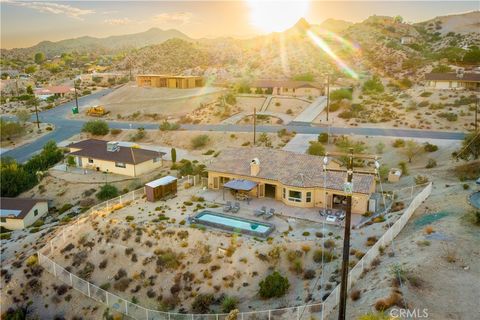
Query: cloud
<point x="173" y="17"/>
<point x="54" y="8"/>
<point x="118" y="22"/>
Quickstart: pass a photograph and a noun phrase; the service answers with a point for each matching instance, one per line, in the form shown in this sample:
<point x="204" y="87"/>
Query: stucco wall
<point x="30" y="218"/>
<point x="359" y="201"/>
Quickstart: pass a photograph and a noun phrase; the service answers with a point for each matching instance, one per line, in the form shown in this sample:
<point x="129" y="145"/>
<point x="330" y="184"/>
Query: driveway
<point x="300" y="142"/>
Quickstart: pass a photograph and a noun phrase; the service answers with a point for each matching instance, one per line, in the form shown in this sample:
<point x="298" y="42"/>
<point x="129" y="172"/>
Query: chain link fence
<point x="307" y="312"/>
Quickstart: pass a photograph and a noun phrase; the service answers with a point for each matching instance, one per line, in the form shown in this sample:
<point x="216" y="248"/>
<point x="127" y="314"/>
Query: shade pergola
<point x="240" y="185"/>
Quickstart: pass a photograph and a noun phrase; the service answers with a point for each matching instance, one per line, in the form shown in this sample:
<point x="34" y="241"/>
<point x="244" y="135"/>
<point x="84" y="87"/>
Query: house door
<point x="79" y="161"/>
<point x="270" y="190"/>
<point x="215" y="183"/>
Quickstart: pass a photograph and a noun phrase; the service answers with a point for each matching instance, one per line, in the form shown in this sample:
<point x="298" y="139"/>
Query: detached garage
<point x="162" y="188"/>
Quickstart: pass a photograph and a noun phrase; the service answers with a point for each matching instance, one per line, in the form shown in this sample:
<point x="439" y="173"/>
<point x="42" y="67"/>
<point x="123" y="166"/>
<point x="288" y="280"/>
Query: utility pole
<point x="328" y="94"/>
<point x="75" y="111"/>
<point x="35" y="102"/>
<point x="348" y="189"/>
<point x="254" y="124"/>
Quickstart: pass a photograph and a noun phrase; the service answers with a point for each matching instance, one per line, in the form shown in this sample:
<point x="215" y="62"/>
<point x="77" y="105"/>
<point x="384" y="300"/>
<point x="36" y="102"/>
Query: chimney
<point x="254" y="167"/>
<point x="460" y="73"/>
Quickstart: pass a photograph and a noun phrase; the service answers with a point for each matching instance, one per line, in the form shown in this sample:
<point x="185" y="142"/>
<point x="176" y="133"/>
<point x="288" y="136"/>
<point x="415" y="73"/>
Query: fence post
<point x="88" y="289"/>
<point x="298" y="313"/>
<point x="63" y="234"/>
<point x="269" y="314"/>
<point x="146" y="312"/>
<point x="71" y="279"/>
<point x="106" y="296"/>
<point x="54" y="269"/>
<point x="126" y="307"/>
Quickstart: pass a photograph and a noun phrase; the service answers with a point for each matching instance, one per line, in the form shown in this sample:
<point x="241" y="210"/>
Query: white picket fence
<point x="135" y="311"/>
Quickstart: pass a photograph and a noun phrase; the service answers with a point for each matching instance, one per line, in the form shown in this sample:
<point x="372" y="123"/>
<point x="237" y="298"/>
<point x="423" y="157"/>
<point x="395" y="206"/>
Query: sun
<point x="274" y="16"/>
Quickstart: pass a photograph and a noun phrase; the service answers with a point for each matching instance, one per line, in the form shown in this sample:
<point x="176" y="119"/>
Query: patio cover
<point x="478" y="181"/>
<point x="242" y="185"/>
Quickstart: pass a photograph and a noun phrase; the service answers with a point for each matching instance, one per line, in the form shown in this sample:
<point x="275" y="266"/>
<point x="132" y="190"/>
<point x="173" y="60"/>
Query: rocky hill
<point x="106" y="45"/>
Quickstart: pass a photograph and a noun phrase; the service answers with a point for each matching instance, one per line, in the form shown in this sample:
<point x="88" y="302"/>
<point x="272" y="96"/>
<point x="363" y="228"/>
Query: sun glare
<point x="274" y="16"/>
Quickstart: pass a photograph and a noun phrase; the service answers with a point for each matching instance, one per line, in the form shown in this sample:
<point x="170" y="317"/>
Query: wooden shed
<point x="162" y="188"/>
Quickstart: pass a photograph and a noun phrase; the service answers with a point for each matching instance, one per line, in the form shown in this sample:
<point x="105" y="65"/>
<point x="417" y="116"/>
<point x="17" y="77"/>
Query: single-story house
<point x="295" y="179"/>
<point x="58" y="91"/>
<point x="288" y="88"/>
<point x="109" y="156"/>
<point x="19" y="213"/>
<point x="453" y="80"/>
<point x="169" y="81"/>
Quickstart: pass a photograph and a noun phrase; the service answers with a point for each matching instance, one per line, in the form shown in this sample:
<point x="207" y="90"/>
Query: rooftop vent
<point x="113" y="146"/>
<point x="254" y="167"/>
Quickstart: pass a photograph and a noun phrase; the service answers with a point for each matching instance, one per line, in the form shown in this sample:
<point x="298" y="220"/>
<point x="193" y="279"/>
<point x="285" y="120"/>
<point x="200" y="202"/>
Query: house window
<point x="156" y="159"/>
<point x="284" y="193"/>
<point x="35" y="212"/>
<point x="295" y="196"/>
<point x="120" y="165"/>
<point x="90" y="160"/>
<point x="309" y="196"/>
<point x="3" y="219"/>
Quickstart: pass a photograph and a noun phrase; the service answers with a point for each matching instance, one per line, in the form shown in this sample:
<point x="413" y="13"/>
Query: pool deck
<point x="247" y="209"/>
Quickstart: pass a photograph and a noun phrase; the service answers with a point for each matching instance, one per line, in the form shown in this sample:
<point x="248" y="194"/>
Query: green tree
<point x="29" y="89"/>
<point x="173" y="153"/>
<point x="411" y="149"/>
<point x="30" y="69"/>
<point x="341" y="94"/>
<point x="323" y="137"/>
<point x="96" y="127"/>
<point x="442" y="68"/>
<point x="107" y="191"/>
<point x="22" y="115"/>
<point x="39" y="57"/>
<point x="373" y="85"/>
<point x="71" y="161"/>
<point x="274" y="285"/>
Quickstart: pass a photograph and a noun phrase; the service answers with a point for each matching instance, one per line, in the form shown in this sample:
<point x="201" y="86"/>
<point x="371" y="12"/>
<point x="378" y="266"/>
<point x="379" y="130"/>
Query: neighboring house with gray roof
<point x="109" y="156"/>
<point x="293" y="178"/>
<point x="453" y="80"/>
<point x="19" y="213"/>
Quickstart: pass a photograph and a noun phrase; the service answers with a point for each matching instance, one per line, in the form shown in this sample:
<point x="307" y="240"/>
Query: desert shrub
<point x="327" y="256"/>
<point x="121" y="273"/>
<point x="316" y="148"/>
<point x="403" y="166"/>
<point x="122" y="284"/>
<point x="115" y="131"/>
<point x="431" y="163"/>
<point x="399" y="143"/>
<point x="341" y="94"/>
<point x="355" y="294"/>
<point x="274" y="285"/>
<point x="202" y="302"/>
<point x="199" y="141"/>
<point x="450" y="116"/>
<point x="323" y="137"/>
<point x="31" y="261"/>
<point x="129" y="218"/>
<point x="5" y="236"/>
<point x="426" y="94"/>
<point x="373" y="85"/>
<point x="430" y="147"/>
<point x="103" y="264"/>
<point x="419" y="179"/>
<point x="87" y="271"/>
<point x="96" y="127"/>
<point x="375" y="316"/>
<point x="465" y="186"/>
<point x="371" y="241"/>
<point x="169" y="126"/>
<point x="469" y="171"/>
<point x="329" y="244"/>
<point x="168" y="259"/>
<point x="106" y="192"/>
<point x="309" y="274"/>
<point x="229" y="304"/>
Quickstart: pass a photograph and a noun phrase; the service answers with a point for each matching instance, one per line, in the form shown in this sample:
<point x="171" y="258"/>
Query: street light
<point x="328" y="94"/>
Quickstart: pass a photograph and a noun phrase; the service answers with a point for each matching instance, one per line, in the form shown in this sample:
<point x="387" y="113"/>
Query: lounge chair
<point x="341" y="216"/>
<point x="322" y="212"/>
<point x="261" y="211"/>
<point x="269" y="214"/>
<point x="227" y="207"/>
<point x="236" y="207"/>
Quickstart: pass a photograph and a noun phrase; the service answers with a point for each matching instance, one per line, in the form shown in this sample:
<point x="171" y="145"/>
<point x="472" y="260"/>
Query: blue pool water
<point x="475" y="199"/>
<point x="231" y="223"/>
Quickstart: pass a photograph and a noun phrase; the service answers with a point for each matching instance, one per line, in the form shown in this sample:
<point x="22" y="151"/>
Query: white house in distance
<point x="19" y="213"/>
<point x="453" y="80"/>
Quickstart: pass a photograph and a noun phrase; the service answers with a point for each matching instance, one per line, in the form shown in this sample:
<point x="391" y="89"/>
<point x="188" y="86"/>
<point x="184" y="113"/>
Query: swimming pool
<point x="475" y="199"/>
<point x="233" y="224"/>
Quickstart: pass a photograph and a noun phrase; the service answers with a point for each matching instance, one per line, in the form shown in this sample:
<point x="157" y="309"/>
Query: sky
<point x="25" y="23"/>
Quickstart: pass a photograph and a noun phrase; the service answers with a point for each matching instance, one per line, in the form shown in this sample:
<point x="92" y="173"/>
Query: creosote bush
<point x="274" y="285"/>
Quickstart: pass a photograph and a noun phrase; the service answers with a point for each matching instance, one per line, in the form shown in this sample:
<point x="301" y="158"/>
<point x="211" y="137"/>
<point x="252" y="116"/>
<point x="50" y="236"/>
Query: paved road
<point x="66" y="128"/>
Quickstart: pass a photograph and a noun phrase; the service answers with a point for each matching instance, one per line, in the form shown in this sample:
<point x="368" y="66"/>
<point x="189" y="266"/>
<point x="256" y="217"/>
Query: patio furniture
<point x="261" y="211"/>
<point x="236" y="207"/>
<point x="331" y="218"/>
<point x="269" y="214"/>
<point x="329" y="212"/>
<point x="322" y="212"/>
<point x="227" y="207"/>
<point x="341" y="216"/>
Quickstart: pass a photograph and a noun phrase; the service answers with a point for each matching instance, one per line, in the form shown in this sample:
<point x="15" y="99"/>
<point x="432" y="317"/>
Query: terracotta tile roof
<point x="54" y="90"/>
<point x="97" y="149"/>
<point x="289" y="168"/>
<point x="24" y="205"/>
<point x="452" y="76"/>
<point x="285" y="84"/>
